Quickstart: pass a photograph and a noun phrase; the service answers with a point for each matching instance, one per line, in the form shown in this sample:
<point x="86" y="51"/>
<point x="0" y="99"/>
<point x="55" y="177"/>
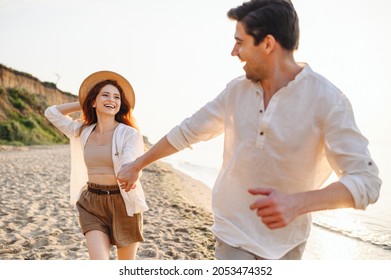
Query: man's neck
<point x="281" y="74"/>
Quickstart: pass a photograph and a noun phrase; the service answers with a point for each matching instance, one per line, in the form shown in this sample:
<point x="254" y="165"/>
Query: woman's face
<point x="108" y="101"/>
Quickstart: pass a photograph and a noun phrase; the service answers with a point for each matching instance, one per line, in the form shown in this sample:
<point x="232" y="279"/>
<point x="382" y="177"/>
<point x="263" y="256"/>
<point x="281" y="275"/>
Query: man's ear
<point x="269" y="43"/>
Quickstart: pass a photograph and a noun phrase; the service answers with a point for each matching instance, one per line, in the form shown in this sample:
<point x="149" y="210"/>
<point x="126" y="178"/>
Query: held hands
<point x="128" y="176"/>
<point x="275" y="209"/>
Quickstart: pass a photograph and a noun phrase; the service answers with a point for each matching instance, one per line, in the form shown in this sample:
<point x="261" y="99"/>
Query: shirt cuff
<point x="177" y="139"/>
<point x="363" y="193"/>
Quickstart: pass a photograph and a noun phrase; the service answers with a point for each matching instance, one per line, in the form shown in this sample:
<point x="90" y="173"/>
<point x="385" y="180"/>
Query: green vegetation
<point x="22" y="120"/>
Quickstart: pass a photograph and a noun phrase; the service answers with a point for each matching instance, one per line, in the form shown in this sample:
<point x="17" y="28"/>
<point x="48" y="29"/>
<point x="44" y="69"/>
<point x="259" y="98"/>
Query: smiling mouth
<point x="110" y="106"/>
<point x="242" y="62"/>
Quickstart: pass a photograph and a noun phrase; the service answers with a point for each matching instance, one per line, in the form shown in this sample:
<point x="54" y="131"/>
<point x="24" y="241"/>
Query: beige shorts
<point x="107" y="213"/>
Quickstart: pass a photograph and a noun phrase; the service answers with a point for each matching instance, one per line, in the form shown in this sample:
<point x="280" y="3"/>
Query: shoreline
<point x="38" y="223"/>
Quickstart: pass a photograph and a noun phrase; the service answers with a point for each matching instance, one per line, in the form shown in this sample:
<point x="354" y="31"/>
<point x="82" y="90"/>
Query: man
<point x="285" y="127"/>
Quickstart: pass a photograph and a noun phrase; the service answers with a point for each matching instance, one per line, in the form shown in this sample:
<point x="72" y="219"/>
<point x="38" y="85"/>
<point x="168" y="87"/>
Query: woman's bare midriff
<point x="102" y="179"/>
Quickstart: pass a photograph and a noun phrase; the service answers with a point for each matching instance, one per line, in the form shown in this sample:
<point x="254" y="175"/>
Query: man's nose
<point x="234" y="51"/>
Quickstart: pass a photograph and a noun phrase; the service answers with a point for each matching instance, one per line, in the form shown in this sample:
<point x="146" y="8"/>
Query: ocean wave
<point x="368" y="237"/>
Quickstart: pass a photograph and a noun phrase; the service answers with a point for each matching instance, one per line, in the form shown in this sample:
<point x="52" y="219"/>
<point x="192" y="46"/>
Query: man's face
<point x="247" y="52"/>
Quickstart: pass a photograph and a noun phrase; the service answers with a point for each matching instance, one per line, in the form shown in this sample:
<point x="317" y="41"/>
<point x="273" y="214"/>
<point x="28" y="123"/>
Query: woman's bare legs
<point x="129" y="252"/>
<point x="98" y="244"/>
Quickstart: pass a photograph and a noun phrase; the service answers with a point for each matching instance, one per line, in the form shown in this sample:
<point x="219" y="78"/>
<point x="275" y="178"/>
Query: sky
<point x="176" y="53"/>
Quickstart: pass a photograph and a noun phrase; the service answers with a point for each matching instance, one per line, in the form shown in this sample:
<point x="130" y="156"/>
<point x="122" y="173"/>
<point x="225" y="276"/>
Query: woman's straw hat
<point x="100" y="76"/>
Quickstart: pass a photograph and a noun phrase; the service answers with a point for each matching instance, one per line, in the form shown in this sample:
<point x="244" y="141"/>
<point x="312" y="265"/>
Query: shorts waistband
<point x="103" y="189"/>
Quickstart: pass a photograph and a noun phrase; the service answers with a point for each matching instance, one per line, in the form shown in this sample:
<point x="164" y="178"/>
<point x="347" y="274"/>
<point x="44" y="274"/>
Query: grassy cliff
<point x="22" y="120"/>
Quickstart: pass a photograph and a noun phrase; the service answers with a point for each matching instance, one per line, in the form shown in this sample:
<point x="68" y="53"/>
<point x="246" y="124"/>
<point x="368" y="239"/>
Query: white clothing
<point x="307" y="130"/>
<point x="127" y="145"/>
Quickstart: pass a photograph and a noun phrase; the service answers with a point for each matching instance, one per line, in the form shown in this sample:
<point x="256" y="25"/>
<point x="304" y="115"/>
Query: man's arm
<point x="130" y="172"/>
<point x="277" y="209"/>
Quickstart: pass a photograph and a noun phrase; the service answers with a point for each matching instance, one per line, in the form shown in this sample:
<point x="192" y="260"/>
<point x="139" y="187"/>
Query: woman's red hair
<point x="124" y="114"/>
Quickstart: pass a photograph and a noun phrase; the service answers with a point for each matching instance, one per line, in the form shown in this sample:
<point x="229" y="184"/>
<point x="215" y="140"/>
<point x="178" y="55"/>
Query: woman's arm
<point x="58" y="116"/>
<point x="69" y="108"/>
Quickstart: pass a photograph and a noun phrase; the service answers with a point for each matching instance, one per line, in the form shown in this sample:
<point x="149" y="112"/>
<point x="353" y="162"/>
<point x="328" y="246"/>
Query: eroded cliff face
<point x="23" y="100"/>
<point x="10" y="78"/>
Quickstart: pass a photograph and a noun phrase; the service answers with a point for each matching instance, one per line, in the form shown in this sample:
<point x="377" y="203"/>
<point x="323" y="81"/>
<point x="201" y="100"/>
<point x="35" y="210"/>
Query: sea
<point x="372" y="226"/>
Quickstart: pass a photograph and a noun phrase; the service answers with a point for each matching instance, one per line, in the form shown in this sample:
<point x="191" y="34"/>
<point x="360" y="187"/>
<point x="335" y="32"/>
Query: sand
<point x="38" y="223"/>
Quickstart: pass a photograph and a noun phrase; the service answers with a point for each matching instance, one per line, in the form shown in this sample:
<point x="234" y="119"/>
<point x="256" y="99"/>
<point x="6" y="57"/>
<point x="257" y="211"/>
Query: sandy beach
<point x="38" y="223"/>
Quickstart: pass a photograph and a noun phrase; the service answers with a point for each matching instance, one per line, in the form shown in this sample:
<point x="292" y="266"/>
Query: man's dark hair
<point x="275" y="17"/>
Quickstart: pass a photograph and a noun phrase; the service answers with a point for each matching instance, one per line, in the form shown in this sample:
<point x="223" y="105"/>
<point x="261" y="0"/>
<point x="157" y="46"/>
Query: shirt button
<point x="261" y="133"/>
<point x="261" y="111"/>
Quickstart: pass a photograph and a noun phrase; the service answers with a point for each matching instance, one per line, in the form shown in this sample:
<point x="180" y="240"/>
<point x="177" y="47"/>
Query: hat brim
<point x="101" y="76"/>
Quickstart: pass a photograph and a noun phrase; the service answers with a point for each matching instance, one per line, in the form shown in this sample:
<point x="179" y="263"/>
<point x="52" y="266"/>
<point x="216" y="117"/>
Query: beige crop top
<point x="98" y="159"/>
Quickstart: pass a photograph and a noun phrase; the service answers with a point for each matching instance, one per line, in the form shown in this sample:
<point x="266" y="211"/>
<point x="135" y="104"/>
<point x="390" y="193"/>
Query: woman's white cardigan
<point x="127" y="146"/>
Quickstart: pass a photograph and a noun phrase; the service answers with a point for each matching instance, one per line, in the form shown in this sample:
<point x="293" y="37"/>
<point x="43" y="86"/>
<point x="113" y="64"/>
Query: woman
<point x="106" y="138"/>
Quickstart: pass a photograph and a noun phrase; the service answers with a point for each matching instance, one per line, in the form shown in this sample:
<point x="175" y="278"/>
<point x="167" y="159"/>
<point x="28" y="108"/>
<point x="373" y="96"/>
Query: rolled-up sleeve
<point x="347" y="152"/>
<point x="205" y="124"/>
<point x="64" y="123"/>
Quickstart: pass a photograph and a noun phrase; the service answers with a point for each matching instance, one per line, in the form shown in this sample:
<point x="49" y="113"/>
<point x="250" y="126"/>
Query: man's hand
<point x="128" y="176"/>
<point x="131" y="172"/>
<point x="276" y="209"/>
